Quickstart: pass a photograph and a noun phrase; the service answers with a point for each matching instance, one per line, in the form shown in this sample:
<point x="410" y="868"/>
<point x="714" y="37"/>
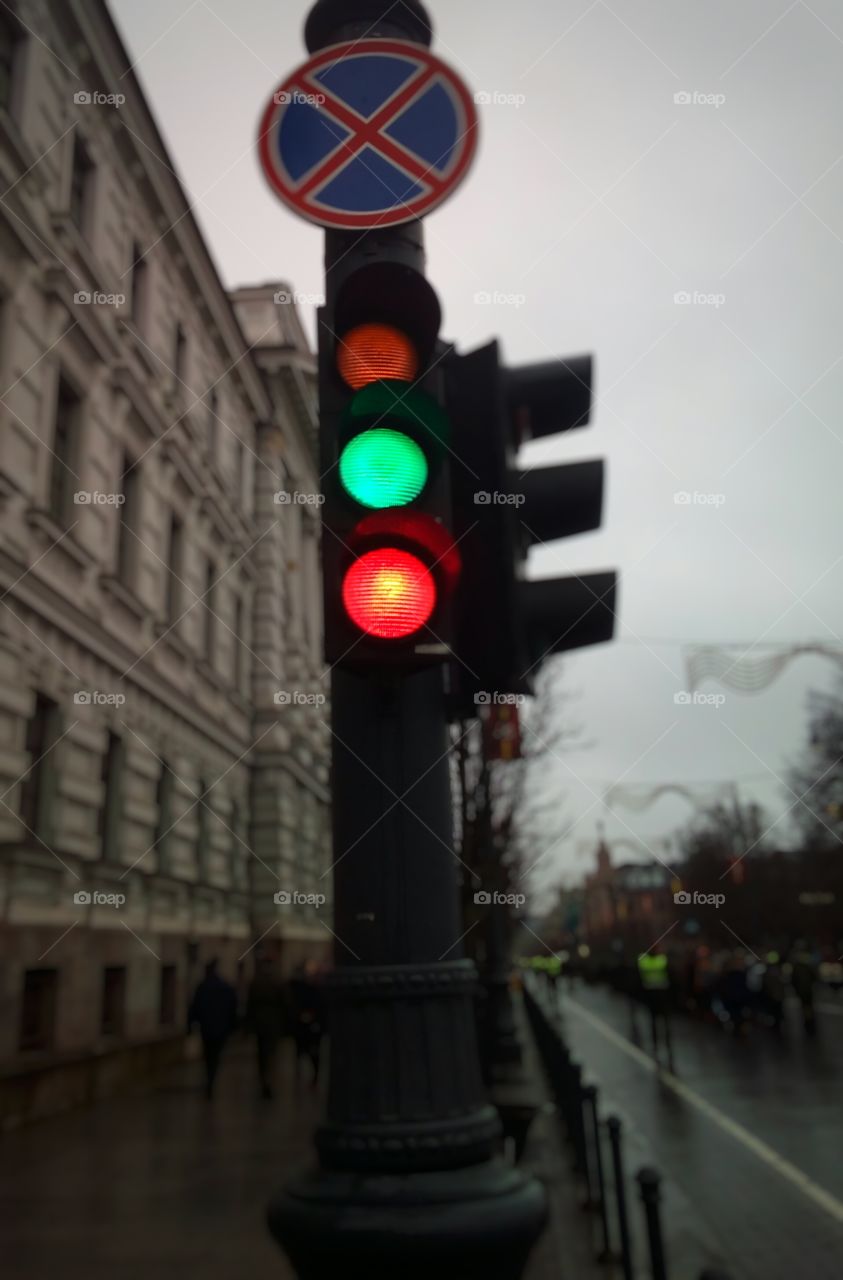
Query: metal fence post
<point x="649" y="1182"/>
<point x="613" y="1124"/>
<point x="590" y="1095"/>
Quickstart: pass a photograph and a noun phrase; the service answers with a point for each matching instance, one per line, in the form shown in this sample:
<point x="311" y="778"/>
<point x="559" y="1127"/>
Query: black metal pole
<point x="649" y="1181"/>
<point x="613" y="1124"/>
<point x="590" y="1094"/>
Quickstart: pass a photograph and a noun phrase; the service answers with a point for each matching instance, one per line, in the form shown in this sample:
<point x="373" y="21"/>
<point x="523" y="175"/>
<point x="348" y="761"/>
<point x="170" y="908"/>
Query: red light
<point x="376" y="352"/>
<point x="389" y="593"/>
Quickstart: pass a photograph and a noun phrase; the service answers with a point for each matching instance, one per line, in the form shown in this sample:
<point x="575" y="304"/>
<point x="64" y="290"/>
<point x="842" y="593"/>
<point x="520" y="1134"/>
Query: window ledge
<point x="123" y="594"/>
<point x="11" y="137"/>
<point x="62" y="538"/>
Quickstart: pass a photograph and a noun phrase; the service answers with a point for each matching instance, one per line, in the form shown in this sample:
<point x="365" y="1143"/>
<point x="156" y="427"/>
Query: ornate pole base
<point x="463" y="1224"/>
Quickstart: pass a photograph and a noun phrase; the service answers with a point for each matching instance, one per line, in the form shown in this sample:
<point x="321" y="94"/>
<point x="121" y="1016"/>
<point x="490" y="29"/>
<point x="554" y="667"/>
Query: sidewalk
<point x="164" y="1185"/>
<point x="167" y="1185"/>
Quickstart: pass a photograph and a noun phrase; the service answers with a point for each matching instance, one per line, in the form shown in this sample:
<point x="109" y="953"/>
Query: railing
<point x="577" y="1103"/>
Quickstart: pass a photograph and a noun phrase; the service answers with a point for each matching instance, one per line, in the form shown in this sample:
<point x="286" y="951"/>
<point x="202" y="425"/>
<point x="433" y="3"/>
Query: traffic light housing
<point x="505" y="624"/>
<point x="389" y="558"/>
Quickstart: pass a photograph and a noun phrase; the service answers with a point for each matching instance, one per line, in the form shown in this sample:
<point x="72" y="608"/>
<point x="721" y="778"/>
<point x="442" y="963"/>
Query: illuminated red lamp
<point x="389" y="593"/>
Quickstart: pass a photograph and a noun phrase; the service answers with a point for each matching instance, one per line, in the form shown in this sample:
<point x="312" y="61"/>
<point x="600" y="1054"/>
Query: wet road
<point x="751" y="1130"/>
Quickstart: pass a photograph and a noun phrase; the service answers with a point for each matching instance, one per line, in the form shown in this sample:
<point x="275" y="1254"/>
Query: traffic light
<point x="390" y="561"/>
<point x="504" y="624"/>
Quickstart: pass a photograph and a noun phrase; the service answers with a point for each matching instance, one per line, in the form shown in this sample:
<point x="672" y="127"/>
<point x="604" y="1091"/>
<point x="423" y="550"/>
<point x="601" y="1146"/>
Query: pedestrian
<point x="654" y="979"/>
<point x="306" y="1003"/>
<point x="803" y="979"/>
<point x="214" y="1010"/>
<point x="266" y="1019"/>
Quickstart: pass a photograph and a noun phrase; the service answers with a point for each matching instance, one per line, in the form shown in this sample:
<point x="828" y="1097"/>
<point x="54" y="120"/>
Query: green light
<point x="383" y="468"/>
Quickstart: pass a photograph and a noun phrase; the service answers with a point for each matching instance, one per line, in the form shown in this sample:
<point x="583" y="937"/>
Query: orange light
<point x="376" y="352"/>
<point x="389" y="593"/>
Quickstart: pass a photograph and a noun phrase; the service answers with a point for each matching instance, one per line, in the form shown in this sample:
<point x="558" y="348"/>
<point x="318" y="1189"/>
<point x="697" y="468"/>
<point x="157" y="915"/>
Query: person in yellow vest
<point x="654" y="979"/>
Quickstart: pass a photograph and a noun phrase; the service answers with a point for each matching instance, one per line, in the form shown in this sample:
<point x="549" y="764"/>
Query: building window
<point x="210" y="618"/>
<point x="38" y="786"/>
<point x="38" y="1009"/>
<point x="11" y="48"/>
<point x="139" y="287"/>
<point x="110" y="813"/>
<point x="81" y="185"/>
<point x="236" y="850"/>
<point x="167" y="996"/>
<point x="113" y="1018"/>
<point x="238" y="646"/>
<point x="175" y="569"/>
<point x="129" y="512"/>
<point x="179" y="353"/>
<point x="164" y="794"/>
<point x="65" y="453"/>
<point x="203" y="832"/>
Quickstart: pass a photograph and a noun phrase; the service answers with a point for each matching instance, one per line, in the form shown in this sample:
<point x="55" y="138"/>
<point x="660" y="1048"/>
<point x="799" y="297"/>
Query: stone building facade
<point x="163" y="745"/>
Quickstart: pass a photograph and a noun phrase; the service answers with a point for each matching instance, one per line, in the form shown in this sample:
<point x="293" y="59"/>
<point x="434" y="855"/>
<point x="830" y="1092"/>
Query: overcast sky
<point x="596" y="197"/>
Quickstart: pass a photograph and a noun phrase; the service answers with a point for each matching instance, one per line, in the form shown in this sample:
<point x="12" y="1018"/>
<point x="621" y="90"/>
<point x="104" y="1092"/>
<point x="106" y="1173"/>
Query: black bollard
<point x="590" y="1096"/>
<point x="613" y="1124"/>
<point x="649" y="1182"/>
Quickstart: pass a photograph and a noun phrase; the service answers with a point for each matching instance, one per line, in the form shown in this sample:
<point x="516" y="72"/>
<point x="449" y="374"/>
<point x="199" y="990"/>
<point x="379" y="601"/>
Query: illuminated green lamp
<point x="383" y="468"/>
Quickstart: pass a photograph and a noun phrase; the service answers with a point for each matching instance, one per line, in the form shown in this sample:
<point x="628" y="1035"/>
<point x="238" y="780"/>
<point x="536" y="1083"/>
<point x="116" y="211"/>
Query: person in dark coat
<point x="214" y="1010"/>
<point x="266" y="1019"/>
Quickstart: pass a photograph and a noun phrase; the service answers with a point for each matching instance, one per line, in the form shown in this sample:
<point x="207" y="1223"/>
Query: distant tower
<point x="604" y="861"/>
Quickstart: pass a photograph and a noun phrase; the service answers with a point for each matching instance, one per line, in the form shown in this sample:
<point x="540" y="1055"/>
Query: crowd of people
<point x="272" y="1010"/>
